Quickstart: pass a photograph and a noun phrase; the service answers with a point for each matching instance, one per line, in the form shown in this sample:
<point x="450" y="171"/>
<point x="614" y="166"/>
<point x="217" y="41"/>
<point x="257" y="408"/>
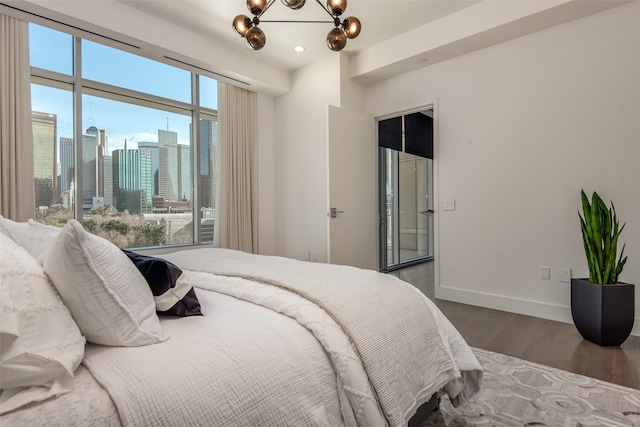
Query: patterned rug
<point x="520" y="393"/>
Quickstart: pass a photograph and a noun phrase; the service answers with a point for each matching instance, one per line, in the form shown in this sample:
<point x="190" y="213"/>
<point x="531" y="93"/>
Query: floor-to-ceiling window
<point x="406" y="189"/>
<point x="125" y="144"/>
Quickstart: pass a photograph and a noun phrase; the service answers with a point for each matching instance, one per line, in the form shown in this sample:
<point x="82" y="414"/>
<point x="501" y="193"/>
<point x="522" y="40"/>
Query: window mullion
<point x="51" y="78"/>
<point x="77" y="128"/>
<point x="195" y="156"/>
<point x="129" y="96"/>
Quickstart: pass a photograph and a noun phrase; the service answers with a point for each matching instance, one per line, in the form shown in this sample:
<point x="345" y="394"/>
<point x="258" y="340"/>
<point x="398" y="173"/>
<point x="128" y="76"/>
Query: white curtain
<point x="237" y="206"/>
<point x="17" y="189"/>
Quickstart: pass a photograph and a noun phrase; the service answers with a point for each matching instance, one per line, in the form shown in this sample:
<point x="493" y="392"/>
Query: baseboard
<point x="539" y="309"/>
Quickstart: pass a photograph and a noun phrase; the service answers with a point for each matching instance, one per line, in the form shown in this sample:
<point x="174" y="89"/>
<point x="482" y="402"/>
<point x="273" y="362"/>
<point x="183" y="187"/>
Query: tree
<point x="150" y="235"/>
<point x="91" y="225"/>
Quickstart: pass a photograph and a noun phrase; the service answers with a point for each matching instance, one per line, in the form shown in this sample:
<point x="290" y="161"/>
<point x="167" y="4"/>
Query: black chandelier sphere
<point x="348" y="28"/>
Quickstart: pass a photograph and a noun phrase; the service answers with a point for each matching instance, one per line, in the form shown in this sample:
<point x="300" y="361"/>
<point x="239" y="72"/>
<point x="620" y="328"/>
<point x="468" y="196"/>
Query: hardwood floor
<point x="420" y="276"/>
<point x="542" y="341"/>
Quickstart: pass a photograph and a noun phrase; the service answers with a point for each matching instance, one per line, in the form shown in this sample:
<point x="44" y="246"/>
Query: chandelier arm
<point x="325" y="9"/>
<point x="303" y="22"/>
<point x="266" y="8"/>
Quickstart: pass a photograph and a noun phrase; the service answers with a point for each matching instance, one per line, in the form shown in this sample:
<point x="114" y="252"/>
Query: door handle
<point x="334" y="212"/>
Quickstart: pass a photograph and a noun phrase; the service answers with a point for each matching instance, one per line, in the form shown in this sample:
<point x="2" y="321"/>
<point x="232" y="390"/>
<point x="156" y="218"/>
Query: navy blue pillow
<point x="173" y="295"/>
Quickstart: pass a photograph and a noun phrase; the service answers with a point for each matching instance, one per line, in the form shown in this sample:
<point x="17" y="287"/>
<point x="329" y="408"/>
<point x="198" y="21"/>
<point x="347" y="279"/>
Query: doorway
<point x="406" y="227"/>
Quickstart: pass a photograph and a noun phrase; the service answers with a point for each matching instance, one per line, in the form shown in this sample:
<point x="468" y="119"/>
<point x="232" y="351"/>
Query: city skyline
<point x="53" y="50"/>
<point x="122" y="121"/>
<point x="106" y="177"/>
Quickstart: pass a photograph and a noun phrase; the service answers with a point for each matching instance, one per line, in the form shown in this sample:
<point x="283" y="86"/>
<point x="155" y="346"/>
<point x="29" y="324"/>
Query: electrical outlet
<point x="565" y="275"/>
<point x="545" y="273"/>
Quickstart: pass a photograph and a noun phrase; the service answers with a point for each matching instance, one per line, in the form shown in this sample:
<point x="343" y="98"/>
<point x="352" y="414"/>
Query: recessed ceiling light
<point x="423" y="61"/>
<point x="298" y="49"/>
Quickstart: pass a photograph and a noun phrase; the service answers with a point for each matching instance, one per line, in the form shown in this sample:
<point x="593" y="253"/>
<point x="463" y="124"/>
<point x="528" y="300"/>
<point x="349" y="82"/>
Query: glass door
<point x="406" y="205"/>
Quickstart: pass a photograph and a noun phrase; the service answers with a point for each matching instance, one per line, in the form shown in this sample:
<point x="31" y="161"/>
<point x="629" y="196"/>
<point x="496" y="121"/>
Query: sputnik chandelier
<point x="336" y="39"/>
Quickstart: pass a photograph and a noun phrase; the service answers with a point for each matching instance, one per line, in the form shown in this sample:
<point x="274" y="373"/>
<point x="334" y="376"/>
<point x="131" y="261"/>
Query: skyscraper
<point x="208" y="163"/>
<point x="44" y="157"/>
<point x="105" y="179"/>
<point x="104" y="182"/>
<point x="89" y="170"/>
<point x="102" y="140"/>
<point x="132" y="181"/>
<point x="153" y="148"/>
<point x="184" y="172"/>
<point x="67" y="168"/>
<point x="146" y="181"/>
<point x="168" y="164"/>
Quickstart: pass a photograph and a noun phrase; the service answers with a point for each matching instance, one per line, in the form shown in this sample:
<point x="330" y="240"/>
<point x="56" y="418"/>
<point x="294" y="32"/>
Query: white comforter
<point x="388" y="350"/>
<point x="238" y="365"/>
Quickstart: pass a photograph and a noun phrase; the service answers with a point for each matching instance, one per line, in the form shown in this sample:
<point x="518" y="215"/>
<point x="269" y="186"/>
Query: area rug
<point x="520" y="393"/>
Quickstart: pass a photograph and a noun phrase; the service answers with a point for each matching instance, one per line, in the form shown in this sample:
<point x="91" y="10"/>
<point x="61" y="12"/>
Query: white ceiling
<point x="398" y="36"/>
<point x="381" y="20"/>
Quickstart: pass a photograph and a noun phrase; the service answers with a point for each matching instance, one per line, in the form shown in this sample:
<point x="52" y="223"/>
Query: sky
<point x="53" y="50"/>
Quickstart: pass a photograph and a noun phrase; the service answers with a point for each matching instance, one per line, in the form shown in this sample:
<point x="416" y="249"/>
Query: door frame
<point x="433" y="105"/>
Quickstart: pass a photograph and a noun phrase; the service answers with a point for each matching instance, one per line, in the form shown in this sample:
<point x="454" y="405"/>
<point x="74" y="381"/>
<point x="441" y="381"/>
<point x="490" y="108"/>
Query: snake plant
<point x="600" y="232"/>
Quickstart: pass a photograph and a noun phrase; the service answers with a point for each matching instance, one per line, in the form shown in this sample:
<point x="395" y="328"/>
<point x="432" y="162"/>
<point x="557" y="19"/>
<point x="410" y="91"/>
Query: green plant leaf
<point x="600" y="234"/>
<point x="599" y="210"/>
<point x="607" y="249"/>
<point x="621" y="263"/>
<point x="586" y="209"/>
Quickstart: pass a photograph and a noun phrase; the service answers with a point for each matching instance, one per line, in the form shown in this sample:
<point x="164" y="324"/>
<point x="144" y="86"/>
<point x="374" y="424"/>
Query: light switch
<point x="545" y="273"/>
<point x="449" y="205"/>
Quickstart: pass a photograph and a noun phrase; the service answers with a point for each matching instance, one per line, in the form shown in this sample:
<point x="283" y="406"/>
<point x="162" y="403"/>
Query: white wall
<point x="301" y="153"/>
<point x="301" y="160"/>
<point x="351" y="92"/>
<point x="523" y="126"/>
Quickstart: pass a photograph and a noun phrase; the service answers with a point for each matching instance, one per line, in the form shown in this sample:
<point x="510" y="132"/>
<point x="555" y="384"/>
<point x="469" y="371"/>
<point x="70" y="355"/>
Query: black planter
<point x="603" y="314"/>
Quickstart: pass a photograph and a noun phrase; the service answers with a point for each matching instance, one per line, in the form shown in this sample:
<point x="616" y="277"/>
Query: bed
<point x="93" y="335"/>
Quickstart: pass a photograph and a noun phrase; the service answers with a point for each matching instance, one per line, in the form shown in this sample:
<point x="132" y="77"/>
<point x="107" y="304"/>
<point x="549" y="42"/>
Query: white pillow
<point x="40" y="344"/>
<point x="35" y="237"/>
<point x="13" y="229"/>
<point x="106" y="294"/>
<point x="39" y="238"/>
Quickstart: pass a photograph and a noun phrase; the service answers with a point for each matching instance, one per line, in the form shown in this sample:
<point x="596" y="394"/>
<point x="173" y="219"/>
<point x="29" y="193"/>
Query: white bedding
<point x="87" y="404"/>
<point x="395" y="330"/>
<point x="358" y="401"/>
<point x="384" y="333"/>
<point x="239" y="364"/>
<point x="353" y="348"/>
<point x="270" y="371"/>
